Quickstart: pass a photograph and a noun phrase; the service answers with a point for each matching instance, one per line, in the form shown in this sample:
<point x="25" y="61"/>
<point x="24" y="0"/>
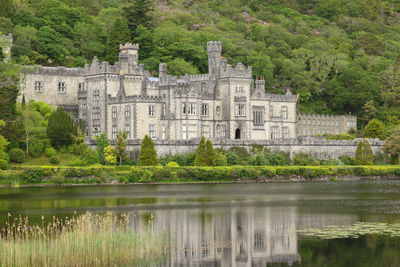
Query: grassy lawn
<point x="66" y="159"/>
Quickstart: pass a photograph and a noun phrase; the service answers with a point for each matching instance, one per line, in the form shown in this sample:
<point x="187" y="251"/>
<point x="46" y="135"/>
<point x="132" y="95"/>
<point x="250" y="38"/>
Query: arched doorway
<point x="237" y="134"/>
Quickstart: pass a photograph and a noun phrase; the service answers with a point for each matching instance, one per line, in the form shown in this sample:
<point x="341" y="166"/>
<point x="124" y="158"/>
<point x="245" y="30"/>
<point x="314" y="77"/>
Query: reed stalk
<point x="84" y="240"/>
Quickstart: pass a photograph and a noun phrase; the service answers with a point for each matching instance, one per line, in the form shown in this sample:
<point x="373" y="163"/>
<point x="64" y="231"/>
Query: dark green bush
<point x="361" y="171"/>
<point x="89" y="157"/>
<point x="3" y="164"/>
<point x="55" y="160"/>
<point x="347" y="160"/>
<point x="303" y="159"/>
<point x="17" y="155"/>
<point x="36" y="148"/>
<point x="50" y="152"/>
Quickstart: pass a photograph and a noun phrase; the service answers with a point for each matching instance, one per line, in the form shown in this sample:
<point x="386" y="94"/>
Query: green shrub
<point x="364" y="154"/>
<point x="36" y="148"/>
<point x="33" y="175"/>
<point x="137" y="174"/>
<point x="57" y="179"/>
<point x="148" y="154"/>
<point x="17" y="155"/>
<point x="172" y="164"/>
<point x="220" y="158"/>
<point x="303" y="159"/>
<point x="50" y="152"/>
<point x="89" y="157"/>
<point x="3" y="164"/>
<point x="361" y="171"/>
<point x="54" y="160"/>
<point x="75" y="149"/>
<point x="347" y="160"/>
<point x="374" y="129"/>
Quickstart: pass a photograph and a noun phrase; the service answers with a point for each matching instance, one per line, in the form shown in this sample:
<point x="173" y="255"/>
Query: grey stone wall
<point x="319" y="147"/>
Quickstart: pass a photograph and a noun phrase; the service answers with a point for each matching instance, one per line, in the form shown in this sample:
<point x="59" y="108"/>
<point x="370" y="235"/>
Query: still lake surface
<point x="235" y="224"/>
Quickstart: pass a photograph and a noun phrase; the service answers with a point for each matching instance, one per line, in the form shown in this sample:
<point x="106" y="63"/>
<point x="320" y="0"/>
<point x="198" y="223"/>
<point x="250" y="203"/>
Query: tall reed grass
<point x="84" y="240"/>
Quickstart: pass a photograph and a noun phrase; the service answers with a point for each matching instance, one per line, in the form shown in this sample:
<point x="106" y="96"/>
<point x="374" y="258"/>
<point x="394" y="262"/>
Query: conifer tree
<point x="102" y="142"/>
<point x="364" y="154"/>
<point x="136" y="14"/>
<point x="210" y="154"/>
<point x="61" y="129"/>
<point x="119" y="34"/>
<point x="120" y="146"/>
<point x="201" y="153"/>
<point x="148" y="153"/>
<point x="374" y="129"/>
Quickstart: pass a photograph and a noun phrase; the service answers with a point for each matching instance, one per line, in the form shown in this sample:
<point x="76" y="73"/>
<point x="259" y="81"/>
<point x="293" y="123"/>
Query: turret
<point x="162" y="70"/>
<point x="214" y="49"/>
<point x="260" y="84"/>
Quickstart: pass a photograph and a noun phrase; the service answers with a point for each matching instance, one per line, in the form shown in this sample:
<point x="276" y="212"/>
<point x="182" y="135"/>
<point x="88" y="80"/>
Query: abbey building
<point x="226" y="103"/>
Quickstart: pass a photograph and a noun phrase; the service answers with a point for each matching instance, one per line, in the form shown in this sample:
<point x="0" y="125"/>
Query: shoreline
<point x="276" y="179"/>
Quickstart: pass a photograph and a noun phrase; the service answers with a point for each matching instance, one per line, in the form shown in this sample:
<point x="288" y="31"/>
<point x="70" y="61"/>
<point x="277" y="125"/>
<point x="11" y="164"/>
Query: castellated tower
<point x="129" y="55"/>
<point x="214" y="50"/>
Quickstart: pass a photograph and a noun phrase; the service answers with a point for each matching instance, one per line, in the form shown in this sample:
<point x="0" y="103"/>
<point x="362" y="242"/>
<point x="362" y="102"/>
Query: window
<point x="221" y="129"/>
<point x="96" y="95"/>
<point x="205" y="131"/>
<point x="128" y="130"/>
<point x="184" y="109"/>
<point x="81" y="87"/>
<point x="152" y="130"/>
<point x="309" y="122"/>
<point x="240" y="110"/>
<point x="285" y="132"/>
<point x="38" y="86"/>
<point x="114" y="132"/>
<point x="284" y="112"/>
<point x="96" y="130"/>
<point x="351" y="124"/>
<point x="127" y="111"/>
<point x="337" y="123"/>
<point x="164" y="109"/>
<point x="152" y="110"/>
<point x="192" y="131"/>
<point x="114" y="112"/>
<point x="259" y="241"/>
<point x="163" y="133"/>
<point x="204" y="109"/>
<point x="192" y="109"/>
<point x="203" y="87"/>
<point x="62" y="88"/>
<point x="274" y="132"/>
<point x="258" y="115"/>
<point x="218" y="110"/>
<point x="96" y="113"/>
<point x="84" y="106"/>
<point x="189" y="131"/>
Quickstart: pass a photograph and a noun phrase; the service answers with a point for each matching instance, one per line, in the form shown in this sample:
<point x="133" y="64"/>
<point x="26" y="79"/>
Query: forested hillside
<point x="340" y="56"/>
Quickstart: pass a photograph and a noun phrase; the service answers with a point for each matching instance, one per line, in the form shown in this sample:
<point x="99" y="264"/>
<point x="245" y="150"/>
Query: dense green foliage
<point x="4" y="158"/>
<point x="110" y="158"/>
<point x="364" y="154"/>
<point x="339" y="56"/>
<point x="61" y="129"/>
<point x="148" y="154"/>
<point x="103" y="174"/>
<point x="374" y="129"/>
<point x="120" y="146"/>
<point x="205" y="154"/>
<point x="102" y="142"/>
<point x="16" y="155"/>
<point x="392" y="147"/>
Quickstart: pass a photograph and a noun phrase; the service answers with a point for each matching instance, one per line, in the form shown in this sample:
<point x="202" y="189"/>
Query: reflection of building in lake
<point x="227" y="237"/>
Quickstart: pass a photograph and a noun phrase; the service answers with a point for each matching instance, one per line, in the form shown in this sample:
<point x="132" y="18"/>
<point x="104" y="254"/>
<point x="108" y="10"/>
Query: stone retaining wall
<point x="319" y="147"/>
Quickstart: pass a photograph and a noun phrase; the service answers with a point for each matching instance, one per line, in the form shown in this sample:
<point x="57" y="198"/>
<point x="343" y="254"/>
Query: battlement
<point x="282" y="98"/>
<point x="63" y="71"/>
<point x="128" y="46"/>
<point x="214" y="47"/>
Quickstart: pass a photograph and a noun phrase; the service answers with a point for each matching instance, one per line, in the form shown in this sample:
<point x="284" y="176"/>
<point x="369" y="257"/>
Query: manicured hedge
<point x="39" y="174"/>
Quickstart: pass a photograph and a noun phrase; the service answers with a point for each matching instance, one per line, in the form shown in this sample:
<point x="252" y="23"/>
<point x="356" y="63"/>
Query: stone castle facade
<point x="227" y="103"/>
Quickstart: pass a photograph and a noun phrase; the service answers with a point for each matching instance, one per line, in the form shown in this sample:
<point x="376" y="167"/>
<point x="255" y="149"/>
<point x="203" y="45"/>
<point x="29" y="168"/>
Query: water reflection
<point x="246" y="236"/>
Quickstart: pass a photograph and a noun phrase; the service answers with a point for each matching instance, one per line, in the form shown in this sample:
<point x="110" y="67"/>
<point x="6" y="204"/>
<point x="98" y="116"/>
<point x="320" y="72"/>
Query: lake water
<point x="236" y="224"/>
